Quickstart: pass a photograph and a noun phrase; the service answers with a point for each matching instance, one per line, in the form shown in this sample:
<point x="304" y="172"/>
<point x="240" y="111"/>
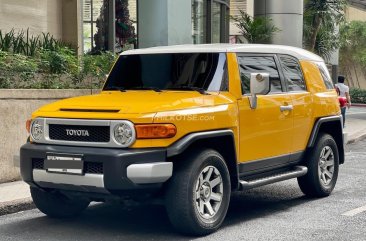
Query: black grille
<point x="95" y="133"/>
<point x="37" y="163"/>
<point x="93" y="167"/>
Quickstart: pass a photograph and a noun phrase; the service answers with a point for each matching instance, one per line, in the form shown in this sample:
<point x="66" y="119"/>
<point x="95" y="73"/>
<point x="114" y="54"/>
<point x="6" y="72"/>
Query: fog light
<point x="124" y="134"/>
<point x="37" y="130"/>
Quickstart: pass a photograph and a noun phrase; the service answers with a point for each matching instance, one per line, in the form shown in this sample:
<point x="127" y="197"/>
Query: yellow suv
<point x="188" y="125"/>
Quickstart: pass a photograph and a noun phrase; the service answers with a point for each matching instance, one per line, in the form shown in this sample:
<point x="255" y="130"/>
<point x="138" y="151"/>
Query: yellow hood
<point x="135" y="102"/>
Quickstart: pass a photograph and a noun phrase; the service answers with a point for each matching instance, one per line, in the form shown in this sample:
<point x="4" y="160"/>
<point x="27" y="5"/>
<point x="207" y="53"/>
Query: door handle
<point x="286" y="108"/>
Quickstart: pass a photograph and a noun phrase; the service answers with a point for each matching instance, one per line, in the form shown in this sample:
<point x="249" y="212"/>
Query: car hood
<point x="135" y="102"/>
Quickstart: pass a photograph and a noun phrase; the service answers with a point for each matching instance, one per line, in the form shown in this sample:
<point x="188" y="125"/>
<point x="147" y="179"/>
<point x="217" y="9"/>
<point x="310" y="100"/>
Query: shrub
<point x="43" y="62"/>
<point x="61" y="61"/>
<point x="358" y="95"/>
<point x="26" y="44"/>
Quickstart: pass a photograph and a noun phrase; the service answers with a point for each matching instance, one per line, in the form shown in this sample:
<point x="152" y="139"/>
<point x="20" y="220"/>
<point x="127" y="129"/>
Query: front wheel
<point x="57" y="205"/>
<point x="198" y="194"/>
<point x="323" y="166"/>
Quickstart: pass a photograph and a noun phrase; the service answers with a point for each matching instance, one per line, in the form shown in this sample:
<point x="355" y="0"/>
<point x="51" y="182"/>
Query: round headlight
<point x="124" y="134"/>
<point x="37" y="130"/>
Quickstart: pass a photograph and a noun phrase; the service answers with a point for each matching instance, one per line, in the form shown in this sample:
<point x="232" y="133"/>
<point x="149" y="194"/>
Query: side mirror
<point x="259" y="85"/>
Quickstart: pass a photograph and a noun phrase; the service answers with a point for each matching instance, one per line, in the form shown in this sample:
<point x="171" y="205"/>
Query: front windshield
<point x="205" y="71"/>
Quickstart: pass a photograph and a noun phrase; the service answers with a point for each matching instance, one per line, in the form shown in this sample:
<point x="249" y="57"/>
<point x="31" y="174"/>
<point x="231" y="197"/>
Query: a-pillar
<point x="287" y="16"/>
<point x="164" y="22"/>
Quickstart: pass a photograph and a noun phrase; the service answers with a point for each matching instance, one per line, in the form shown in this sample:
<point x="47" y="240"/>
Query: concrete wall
<point x="72" y="23"/>
<point x="355" y="14"/>
<point x="37" y="15"/>
<point x="16" y="107"/>
<point x="60" y="18"/>
<point x="355" y="75"/>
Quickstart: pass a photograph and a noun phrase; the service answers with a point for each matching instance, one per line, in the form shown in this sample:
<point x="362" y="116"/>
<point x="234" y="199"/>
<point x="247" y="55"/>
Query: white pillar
<point x="164" y="22"/>
<point x="287" y="15"/>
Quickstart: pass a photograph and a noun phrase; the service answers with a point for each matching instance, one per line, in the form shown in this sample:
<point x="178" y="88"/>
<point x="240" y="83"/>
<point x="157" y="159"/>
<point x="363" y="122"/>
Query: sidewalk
<point x="15" y="196"/>
<point x="355" y="129"/>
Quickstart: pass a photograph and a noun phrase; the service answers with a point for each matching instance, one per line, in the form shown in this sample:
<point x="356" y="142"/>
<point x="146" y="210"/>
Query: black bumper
<point x="115" y="163"/>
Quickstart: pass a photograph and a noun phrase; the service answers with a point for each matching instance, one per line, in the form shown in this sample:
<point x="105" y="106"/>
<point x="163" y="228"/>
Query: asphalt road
<point x="275" y="212"/>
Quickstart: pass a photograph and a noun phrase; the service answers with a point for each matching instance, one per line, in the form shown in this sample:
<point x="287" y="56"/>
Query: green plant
<point x="321" y="18"/>
<point x="44" y="62"/>
<point x="358" y="95"/>
<point x="26" y="44"/>
<point x="62" y="61"/>
<point x="6" y="40"/>
<point x="255" y="30"/>
<point x="353" y="42"/>
<point x="98" y="65"/>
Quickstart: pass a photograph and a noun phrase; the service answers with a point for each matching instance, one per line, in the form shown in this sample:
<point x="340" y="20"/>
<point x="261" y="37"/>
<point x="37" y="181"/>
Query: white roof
<point x="299" y="53"/>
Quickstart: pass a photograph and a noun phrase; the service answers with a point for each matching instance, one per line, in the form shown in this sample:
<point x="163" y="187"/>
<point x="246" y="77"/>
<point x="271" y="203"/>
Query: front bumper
<point x="123" y="170"/>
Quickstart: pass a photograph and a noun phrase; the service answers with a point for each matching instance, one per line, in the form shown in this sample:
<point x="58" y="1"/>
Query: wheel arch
<point x="220" y="140"/>
<point x="333" y="126"/>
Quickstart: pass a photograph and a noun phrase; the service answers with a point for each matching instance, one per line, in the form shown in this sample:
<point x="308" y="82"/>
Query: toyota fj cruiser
<point x="188" y="125"/>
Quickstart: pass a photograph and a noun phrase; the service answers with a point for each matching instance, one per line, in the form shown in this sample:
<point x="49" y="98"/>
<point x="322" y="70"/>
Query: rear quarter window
<point x="325" y="76"/>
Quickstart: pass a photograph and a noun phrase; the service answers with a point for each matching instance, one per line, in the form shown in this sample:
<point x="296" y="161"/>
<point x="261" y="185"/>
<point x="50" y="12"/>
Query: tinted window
<point x="249" y="65"/>
<point x="169" y="71"/>
<point x="292" y="73"/>
<point x="326" y="76"/>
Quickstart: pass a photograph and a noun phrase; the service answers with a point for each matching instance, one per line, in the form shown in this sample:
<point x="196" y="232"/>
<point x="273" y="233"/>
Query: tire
<point x="56" y="205"/>
<point x="198" y="194"/>
<point x="323" y="165"/>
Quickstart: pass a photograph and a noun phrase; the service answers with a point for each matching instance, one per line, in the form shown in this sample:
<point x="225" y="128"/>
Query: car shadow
<point x="150" y="222"/>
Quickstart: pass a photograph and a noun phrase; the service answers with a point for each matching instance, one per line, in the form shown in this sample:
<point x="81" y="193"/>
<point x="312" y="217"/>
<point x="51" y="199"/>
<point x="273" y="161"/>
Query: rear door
<point x="266" y="133"/>
<point x="301" y="101"/>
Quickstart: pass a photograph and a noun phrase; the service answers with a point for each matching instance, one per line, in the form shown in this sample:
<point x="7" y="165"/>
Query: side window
<point x="258" y="64"/>
<point x="292" y="73"/>
<point x="326" y="76"/>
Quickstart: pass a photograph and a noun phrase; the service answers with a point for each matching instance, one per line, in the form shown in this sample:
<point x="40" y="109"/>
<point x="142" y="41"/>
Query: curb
<point x="358" y="105"/>
<point x="16" y="206"/>
<point x="359" y="138"/>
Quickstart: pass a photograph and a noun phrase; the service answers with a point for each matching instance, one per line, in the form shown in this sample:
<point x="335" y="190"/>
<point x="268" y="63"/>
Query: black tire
<point x="182" y="206"/>
<point x="57" y="205"/>
<point x="313" y="184"/>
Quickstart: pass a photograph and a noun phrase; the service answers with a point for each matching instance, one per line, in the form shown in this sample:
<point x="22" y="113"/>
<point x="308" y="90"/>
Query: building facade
<point x="94" y="25"/>
<point x="98" y="25"/>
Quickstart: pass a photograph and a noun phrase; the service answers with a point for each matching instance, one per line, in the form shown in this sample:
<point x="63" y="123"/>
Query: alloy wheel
<point x="326" y="166"/>
<point x="208" y="192"/>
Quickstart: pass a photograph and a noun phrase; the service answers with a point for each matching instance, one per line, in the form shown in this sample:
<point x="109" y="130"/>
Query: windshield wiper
<point x="156" y="89"/>
<point x="187" y="87"/>
<point x="116" y="88"/>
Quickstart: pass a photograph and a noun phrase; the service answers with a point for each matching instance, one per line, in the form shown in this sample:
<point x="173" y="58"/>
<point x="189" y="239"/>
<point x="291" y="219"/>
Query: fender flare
<point x="182" y="144"/>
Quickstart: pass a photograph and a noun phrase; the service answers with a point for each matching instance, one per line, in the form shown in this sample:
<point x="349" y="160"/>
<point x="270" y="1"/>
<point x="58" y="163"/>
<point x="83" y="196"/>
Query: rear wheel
<point x="198" y="193"/>
<point x="57" y="205"/>
<point x="323" y="166"/>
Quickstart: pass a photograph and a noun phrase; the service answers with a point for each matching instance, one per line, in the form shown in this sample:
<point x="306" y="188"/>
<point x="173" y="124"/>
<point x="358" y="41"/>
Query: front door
<point x="266" y="131"/>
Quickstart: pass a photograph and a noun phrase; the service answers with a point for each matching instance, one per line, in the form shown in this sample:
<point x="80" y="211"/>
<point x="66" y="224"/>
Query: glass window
<point x="249" y="65"/>
<point x="182" y="71"/>
<point x="216" y="22"/>
<point x="326" y="76"/>
<point x="92" y="18"/>
<point x="199" y="10"/>
<point x="97" y="26"/>
<point x="292" y="73"/>
<point x="210" y="21"/>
